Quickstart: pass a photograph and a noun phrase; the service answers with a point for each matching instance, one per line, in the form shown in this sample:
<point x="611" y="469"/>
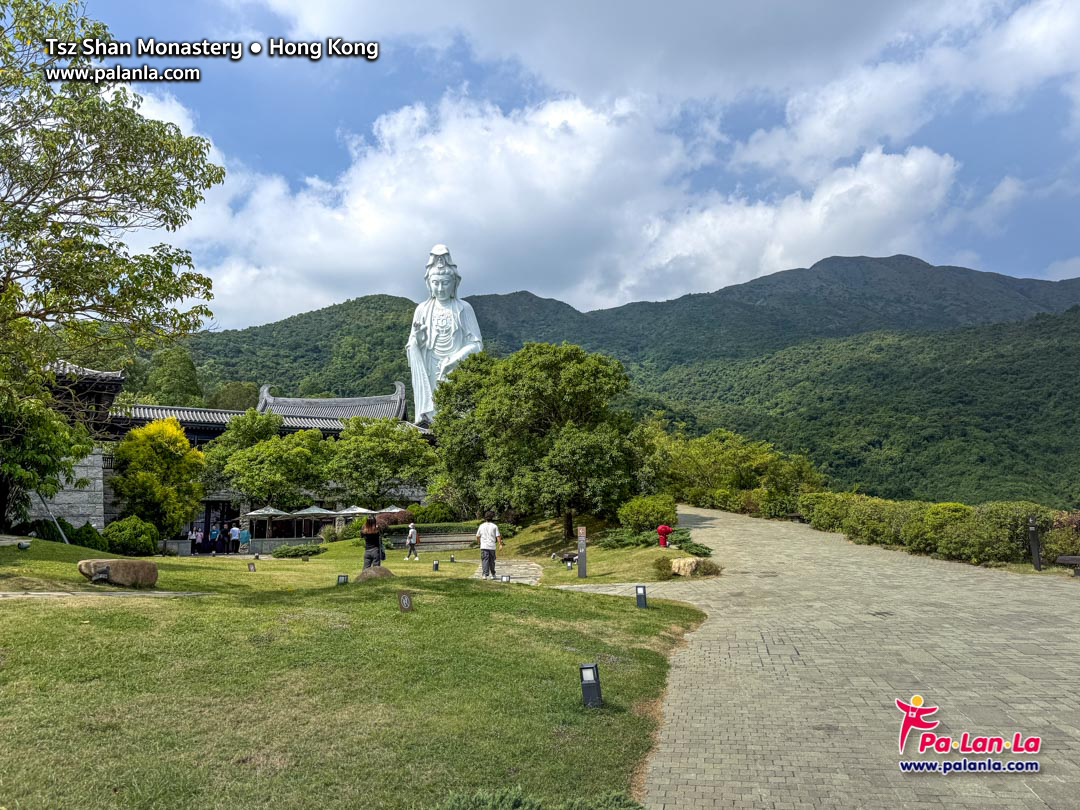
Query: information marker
<point x="505" y="577"/>
<point x="404" y="600"/>
<point x="581" y="552"/>
<point x="251" y="568"/>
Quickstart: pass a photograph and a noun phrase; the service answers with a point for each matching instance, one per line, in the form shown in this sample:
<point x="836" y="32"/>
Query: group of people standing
<point x="223" y="540"/>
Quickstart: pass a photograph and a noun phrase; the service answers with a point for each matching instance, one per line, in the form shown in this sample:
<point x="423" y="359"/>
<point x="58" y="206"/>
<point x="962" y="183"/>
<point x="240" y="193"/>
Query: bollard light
<point x="213" y="553"/>
<point x="256" y="556"/>
<point x="342" y="579"/>
<point x="305" y="558"/>
<point x="505" y="577"/>
<point x="569" y="565"/>
<point x="1033" y="543"/>
<point x="434" y="565"/>
<point x="640" y="592"/>
<point x="452" y="558"/>
<point x="590" y="686"/>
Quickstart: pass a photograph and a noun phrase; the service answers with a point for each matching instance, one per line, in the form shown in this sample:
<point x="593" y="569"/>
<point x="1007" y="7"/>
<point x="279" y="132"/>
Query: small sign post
<point x="404" y="600"/>
<point x="581" y="552"/>
<point x="1033" y="542"/>
<point x="251" y="568"/>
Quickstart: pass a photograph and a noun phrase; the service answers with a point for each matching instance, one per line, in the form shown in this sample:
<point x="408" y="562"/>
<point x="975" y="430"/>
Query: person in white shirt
<point x="488" y="535"/>
<point x="234" y="539"/>
<point x="410" y="543"/>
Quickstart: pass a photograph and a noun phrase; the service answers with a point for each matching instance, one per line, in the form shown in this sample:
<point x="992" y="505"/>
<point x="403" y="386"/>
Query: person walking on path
<point x="234" y="538"/>
<point x="372" y="543"/>
<point x="488" y="535"/>
<point x="410" y="543"/>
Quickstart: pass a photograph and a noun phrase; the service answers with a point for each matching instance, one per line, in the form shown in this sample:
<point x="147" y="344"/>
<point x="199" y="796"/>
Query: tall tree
<point x="80" y="168"/>
<point x="37" y="454"/>
<point x="372" y="457"/>
<point x="536" y="432"/>
<point x="242" y="432"/>
<point x="172" y="379"/>
<point x="234" y="396"/>
<point x="157" y="475"/>
<point x="285" y="471"/>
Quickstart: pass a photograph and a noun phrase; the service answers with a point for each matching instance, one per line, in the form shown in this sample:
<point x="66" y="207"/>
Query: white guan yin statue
<point x="444" y="332"/>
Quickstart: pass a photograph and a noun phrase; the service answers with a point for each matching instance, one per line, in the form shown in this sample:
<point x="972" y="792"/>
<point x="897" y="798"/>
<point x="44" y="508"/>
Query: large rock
<point x="684" y="566"/>
<point x="129" y="573"/>
<point x="375" y="572"/>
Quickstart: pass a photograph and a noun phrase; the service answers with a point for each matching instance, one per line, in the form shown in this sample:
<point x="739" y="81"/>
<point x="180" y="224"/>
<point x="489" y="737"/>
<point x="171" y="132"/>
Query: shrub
<point x="1003" y="528"/>
<point x="330" y="534"/>
<point x="662" y="565"/>
<point x="464" y="527"/>
<point x="724" y="499"/>
<point x="300" y="550"/>
<point x="647" y="512"/>
<point x="681" y="538"/>
<point x="808" y="502"/>
<point x="624" y="538"/>
<point x="1060" y="542"/>
<point x="132" y="537"/>
<point x="434" y="512"/>
<point x="866" y="521"/>
<point x="46" y="530"/>
<point x="831" y="509"/>
<point x="923" y="536"/>
<point x="899" y="514"/>
<point x="707" y="568"/>
<point x="89" y="537"/>
<point x="352" y="529"/>
<point x="778" y="504"/>
<point x="699" y="497"/>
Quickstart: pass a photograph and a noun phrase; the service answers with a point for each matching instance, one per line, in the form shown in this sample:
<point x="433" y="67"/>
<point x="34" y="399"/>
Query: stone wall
<point x="78" y="506"/>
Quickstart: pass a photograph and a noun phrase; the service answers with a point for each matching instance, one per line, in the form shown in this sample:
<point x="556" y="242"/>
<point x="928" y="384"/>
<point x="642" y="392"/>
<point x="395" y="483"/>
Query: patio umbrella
<point x="353" y="511"/>
<point x="390" y="509"/>
<point x="313" y="513"/>
<point x="267" y="513"/>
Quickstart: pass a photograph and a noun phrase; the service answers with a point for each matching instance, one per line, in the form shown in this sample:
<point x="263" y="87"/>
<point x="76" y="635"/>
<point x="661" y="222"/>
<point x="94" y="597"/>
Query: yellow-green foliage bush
<point x="831" y="509"/>
<point x="647" y="512"/>
<point x="866" y="521"/>
<point x="1063" y="539"/>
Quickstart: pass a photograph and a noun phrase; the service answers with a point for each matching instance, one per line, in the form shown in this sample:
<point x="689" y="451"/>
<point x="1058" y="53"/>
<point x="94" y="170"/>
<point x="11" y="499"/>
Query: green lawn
<point x="284" y="690"/>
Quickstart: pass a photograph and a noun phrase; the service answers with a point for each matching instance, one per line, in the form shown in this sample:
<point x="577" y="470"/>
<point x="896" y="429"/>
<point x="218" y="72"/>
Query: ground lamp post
<point x="569" y="565"/>
<point x="639" y="591"/>
<point x="342" y="579"/>
<point x="505" y="577"/>
<point x="590" y="686"/>
<point x="434" y="565"/>
<point x="1033" y="542"/>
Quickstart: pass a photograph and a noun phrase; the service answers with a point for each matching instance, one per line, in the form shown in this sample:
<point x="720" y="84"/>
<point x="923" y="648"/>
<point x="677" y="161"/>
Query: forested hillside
<point x="912" y="410"/>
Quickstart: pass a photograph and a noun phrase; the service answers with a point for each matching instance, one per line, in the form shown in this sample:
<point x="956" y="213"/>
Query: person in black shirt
<point x="372" y="544"/>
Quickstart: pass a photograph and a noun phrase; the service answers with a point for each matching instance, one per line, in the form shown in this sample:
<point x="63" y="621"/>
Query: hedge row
<point x="994" y="532"/>
<point x="759" y="502"/>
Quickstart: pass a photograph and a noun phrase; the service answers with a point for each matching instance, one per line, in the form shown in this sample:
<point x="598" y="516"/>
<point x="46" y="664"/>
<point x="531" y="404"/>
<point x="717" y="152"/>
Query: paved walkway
<point x="784" y="697"/>
<point x="521" y="571"/>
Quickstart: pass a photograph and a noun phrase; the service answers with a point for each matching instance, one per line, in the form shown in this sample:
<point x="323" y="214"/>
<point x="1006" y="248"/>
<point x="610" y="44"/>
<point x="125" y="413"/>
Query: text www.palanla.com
<point x="119" y="73"/>
<point x="970" y="766"/>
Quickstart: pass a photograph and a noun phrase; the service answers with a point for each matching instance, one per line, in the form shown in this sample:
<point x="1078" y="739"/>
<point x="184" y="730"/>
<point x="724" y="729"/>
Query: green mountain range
<point x="899" y="378"/>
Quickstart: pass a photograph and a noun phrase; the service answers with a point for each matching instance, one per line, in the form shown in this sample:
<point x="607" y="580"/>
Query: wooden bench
<point x="1073" y="561"/>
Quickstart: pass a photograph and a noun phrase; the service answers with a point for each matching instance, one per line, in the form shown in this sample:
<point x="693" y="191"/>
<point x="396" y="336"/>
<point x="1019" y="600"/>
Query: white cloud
<point x="677" y="49"/>
<point x="888" y="101"/>
<point x="588" y="204"/>
<point x="1062" y="269"/>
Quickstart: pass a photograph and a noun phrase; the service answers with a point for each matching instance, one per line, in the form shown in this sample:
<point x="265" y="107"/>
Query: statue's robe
<point x="424" y="359"/>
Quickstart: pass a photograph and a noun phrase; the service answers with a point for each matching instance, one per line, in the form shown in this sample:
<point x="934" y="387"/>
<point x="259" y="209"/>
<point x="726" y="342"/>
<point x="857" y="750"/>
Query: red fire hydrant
<point x="663" y="532"/>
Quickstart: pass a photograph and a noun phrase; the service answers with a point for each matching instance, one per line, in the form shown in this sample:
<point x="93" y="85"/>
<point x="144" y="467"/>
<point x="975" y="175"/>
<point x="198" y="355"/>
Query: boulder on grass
<point x="375" y="572"/>
<point x="684" y="566"/>
<point x="128" y="573"/>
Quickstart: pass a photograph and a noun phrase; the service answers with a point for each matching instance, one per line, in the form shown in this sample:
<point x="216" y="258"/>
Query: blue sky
<point x="613" y="151"/>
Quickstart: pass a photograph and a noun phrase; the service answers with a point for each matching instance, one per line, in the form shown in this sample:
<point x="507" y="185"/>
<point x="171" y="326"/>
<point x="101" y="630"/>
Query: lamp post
<point x="1033" y="542"/>
<point x="569" y="565"/>
<point x="590" y="686"/>
<point x="639" y="591"/>
<point x="434" y="565"/>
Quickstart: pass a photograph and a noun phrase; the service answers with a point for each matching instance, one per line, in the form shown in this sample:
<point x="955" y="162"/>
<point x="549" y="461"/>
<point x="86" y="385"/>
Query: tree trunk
<point x="5" y="495"/>
<point x="568" y="525"/>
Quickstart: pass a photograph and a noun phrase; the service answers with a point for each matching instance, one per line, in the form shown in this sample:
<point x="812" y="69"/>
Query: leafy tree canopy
<point x="79" y="169"/>
<point x="372" y="457"/>
<point x="285" y="471"/>
<point x="536" y="432"/>
<point x="243" y="431"/>
<point x="157" y="475"/>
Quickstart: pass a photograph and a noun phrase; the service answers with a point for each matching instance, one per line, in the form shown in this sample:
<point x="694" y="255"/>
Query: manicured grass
<point x="285" y="690"/>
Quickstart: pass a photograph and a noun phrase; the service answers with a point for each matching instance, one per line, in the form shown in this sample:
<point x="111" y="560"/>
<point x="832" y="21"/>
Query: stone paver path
<point x="521" y="571"/>
<point x="784" y="697"/>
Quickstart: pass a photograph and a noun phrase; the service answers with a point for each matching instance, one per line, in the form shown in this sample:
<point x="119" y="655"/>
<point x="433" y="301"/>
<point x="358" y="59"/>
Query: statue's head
<point x="441" y="276"/>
